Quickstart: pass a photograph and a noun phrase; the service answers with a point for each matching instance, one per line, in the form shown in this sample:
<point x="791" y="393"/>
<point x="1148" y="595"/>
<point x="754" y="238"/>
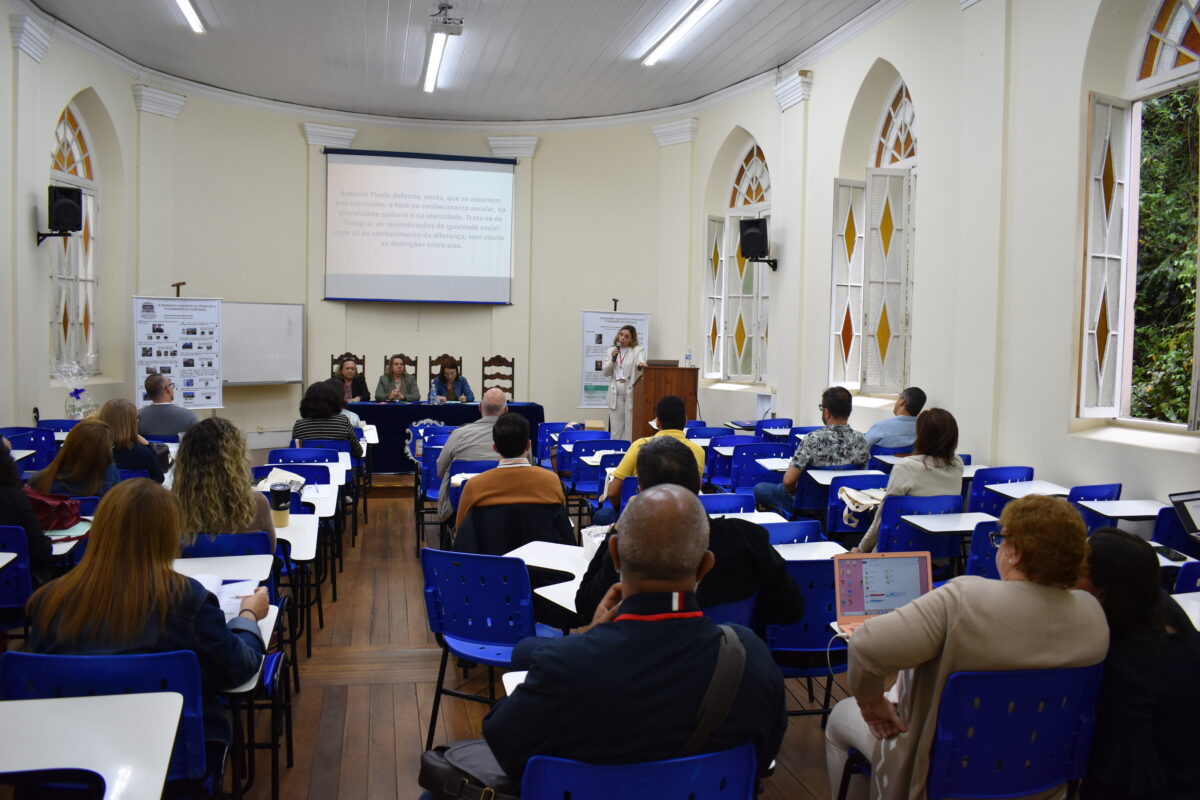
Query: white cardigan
<point x="637" y="355"/>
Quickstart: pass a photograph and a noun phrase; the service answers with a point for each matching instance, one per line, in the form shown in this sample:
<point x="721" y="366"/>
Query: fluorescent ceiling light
<point x="435" y="61"/>
<point x="681" y="30"/>
<point x="190" y="14"/>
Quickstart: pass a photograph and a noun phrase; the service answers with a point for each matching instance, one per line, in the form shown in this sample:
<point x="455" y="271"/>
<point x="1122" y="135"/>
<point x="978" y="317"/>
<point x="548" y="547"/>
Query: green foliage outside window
<point x="1165" y="309"/>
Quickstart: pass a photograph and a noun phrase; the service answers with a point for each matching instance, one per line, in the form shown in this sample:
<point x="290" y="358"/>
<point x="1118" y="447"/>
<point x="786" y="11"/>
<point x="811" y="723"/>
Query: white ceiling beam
<point x="513" y="146"/>
<point x="793" y="89"/>
<point x="320" y="135"/>
<point x="677" y="132"/>
<point x="153" y="100"/>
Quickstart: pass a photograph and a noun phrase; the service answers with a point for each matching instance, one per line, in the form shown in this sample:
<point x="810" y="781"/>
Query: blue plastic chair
<point x="315" y="474"/>
<point x="801" y="429"/>
<point x="981" y="559"/>
<point x="718" y="467"/>
<point x="979" y="499"/>
<point x="738" y="612"/>
<point x="811" y="498"/>
<point x="1188" y="579"/>
<point x="480" y="624"/>
<point x="128" y="474"/>
<point x="166" y="438"/>
<point x="779" y="422"/>
<point x="697" y="423"/>
<point x="87" y="505"/>
<point x="703" y="432"/>
<point x="1169" y="531"/>
<point x="587" y="480"/>
<point x="834" y="524"/>
<point x="303" y="455"/>
<point x="542" y="441"/>
<point x="724" y="775"/>
<point x="40" y="440"/>
<point x="629" y="487"/>
<point x="566" y="461"/>
<point x="58" y="425"/>
<point x="897" y="537"/>
<point x="746" y="471"/>
<point x="458" y="467"/>
<point x="877" y="450"/>
<point x="1099" y="491"/>
<point x="30" y="676"/>
<point x="429" y="487"/>
<point x="16" y="579"/>
<point x="726" y="503"/>
<point x="801" y="530"/>
<point x="809" y="638"/>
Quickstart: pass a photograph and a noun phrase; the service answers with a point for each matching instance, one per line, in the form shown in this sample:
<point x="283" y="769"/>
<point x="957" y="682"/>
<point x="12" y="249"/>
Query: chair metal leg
<point x="437" y="698"/>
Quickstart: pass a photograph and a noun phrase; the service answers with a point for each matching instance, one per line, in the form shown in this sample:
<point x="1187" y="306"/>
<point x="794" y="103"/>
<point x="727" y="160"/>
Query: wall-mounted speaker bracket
<point x="773" y="263"/>
<point x="41" y="237"/>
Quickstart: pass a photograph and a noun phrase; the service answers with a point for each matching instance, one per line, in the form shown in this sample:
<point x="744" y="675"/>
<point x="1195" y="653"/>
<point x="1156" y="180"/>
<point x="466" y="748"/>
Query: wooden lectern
<point x="658" y="382"/>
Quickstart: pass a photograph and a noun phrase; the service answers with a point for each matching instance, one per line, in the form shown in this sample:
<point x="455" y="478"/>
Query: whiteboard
<point x="262" y="343"/>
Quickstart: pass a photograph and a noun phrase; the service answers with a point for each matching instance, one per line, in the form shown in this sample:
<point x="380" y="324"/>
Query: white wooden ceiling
<point x="516" y="59"/>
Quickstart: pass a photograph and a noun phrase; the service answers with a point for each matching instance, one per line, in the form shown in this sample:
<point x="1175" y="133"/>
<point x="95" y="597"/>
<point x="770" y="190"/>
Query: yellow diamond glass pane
<point x="847" y="334"/>
<point x="1102" y="330"/>
<point x="87" y="320"/>
<point x="739" y="336"/>
<point x="1107" y="179"/>
<point x="741" y="261"/>
<point x="850" y="234"/>
<point x="712" y="341"/>
<point x="716" y="260"/>
<point x="883" y="334"/>
<point x="886" y="227"/>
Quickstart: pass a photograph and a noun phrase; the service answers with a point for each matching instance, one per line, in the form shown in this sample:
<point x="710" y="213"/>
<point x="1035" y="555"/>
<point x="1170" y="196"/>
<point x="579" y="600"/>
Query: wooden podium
<point x="656" y="383"/>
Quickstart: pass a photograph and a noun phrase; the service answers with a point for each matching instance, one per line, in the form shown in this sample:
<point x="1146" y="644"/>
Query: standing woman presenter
<point x="623" y="368"/>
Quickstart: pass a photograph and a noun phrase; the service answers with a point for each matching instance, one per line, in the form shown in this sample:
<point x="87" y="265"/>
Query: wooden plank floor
<point x="366" y="693"/>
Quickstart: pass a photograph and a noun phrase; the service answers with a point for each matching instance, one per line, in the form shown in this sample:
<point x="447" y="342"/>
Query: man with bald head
<point x="469" y="443"/>
<point x="628" y="690"/>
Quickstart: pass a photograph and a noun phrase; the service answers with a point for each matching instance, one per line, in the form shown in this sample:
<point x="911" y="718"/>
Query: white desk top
<point x="724" y="451"/>
<point x="561" y="594"/>
<point x="774" y="464"/>
<point x="824" y="477"/>
<point x="1190" y="603"/>
<point x="1164" y="562"/>
<point x="512" y="680"/>
<point x="809" y="551"/>
<point x="1020" y="489"/>
<point x="96" y="734"/>
<point x="20" y="454"/>
<point x="550" y="555"/>
<point x="757" y="517"/>
<point x="1124" y="509"/>
<point x="700" y="442"/>
<point x="739" y="425"/>
<point x="5" y="558"/>
<point x="947" y="523"/>
<point x="370" y="434"/>
<point x="265" y="627"/>
<point x="566" y="448"/>
<point x="777" y="431"/>
<point x="323" y="497"/>
<point x="594" y="460"/>
<point x="59" y="548"/>
<point x="60" y="436"/>
<point x="337" y="475"/>
<point x="301" y="534"/>
<point x="969" y="470"/>
<point x="228" y="568"/>
<point x="889" y="459"/>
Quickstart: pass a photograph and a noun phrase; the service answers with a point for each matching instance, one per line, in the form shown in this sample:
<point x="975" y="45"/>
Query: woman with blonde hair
<point x="130" y="450"/>
<point x="84" y="466"/>
<point x="211" y="478"/>
<point x="91" y="610"/>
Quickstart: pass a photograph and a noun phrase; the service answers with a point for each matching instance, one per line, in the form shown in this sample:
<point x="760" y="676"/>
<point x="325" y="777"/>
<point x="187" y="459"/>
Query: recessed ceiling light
<point x="676" y="34"/>
<point x="190" y="15"/>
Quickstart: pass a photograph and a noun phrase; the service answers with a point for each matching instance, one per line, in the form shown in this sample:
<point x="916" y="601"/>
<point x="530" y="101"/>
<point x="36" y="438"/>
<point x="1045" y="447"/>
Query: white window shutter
<point x="887" y="284"/>
<point x="846" y="278"/>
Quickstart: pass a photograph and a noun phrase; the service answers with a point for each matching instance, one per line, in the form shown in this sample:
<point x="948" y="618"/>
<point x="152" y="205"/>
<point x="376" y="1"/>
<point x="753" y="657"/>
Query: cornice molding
<point x="965" y="4"/>
<point x="677" y="132"/>
<point x="29" y="35"/>
<point x="860" y="24"/>
<point x="320" y="135"/>
<point x="153" y="100"/>
<point x="512" y="146"/>
<point x="793" y="89"/>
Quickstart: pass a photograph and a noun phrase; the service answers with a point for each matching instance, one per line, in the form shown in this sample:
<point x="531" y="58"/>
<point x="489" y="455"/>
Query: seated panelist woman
<point x="452" y="386"/>
<point x="397" y="384"/>
<point x="354" y="386"/>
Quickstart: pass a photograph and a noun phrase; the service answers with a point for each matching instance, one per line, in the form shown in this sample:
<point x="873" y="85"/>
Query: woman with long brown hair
<point x="125" y="597"/>
<point x="84" y="466"/>
<point x="130" y="450"/>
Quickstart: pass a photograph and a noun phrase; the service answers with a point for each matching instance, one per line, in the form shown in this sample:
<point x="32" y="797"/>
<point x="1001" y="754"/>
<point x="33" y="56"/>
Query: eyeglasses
<point x="170" y="386"/>
<point x="820" y="407"/>
<point x="997" y="538"/>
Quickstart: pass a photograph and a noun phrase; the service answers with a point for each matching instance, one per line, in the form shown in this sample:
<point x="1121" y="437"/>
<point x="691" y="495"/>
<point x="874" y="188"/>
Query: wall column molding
<point x="672" y="327"/>
<point x="155" y="187"/>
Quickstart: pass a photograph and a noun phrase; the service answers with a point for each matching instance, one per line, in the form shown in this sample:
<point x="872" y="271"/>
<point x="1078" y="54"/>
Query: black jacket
<point x="495" y="530"/>
<point x="16" y="510"/>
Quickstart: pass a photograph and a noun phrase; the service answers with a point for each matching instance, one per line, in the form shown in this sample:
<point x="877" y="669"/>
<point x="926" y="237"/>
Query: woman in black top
<point x="321" y="418"/>
<point x="354" y="386"/>
<point x="1146" y="735"/>
<point x="130" y="450"/>
<point x="15" y="510"/>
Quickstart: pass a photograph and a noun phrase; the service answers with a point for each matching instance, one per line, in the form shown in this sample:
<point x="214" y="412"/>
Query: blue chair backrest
<point x="716" y="465"/>
<point x="566" y="460"/>
<point x="981" y="560"/>
<point x="471" y="467"/>
<point x="694" y="423"/>
<point x="746" y="471"/>
<point x="87" y="505"/>
<point x="801" y="530"/>
<point x="896" y="537"/>
<point x="989" y="502"/>
<point x="727" y="503"/>
<point x="301" y="455"/>
<point x="39" y="440"/>
<point x="430" y="483"/>
<point x="315" y="474"/>
<point x="1169" y="531"/>
<point x="542" y="441"/>
<point x="724" y="775"/>
<point x="165" y="438"/>
<point x="629" y="487"/>
<point x="587" y="479"/>
<point x="30" y="676"/>
<point x="880" y="450"/>
<point x="811" y="633"/>
<point x="779" y="422"/>
<point x="805" y="429"/>
<point x="58" y="424"/>
<point x="700" y="432"/>
<point x="1009" y="734"/>
<point x="256" y="543"/>
<point x="834" y="506"/>
<point x="16" y="582"/>
<point x="739" y="612"/>
<point x="1188" y="579"/>
<point x="126" y="474"/>
<point x="966" y="458"/>
<point x="476" y="597"/>
<point x="812" y="496"/>
<point x="341" y="445"/>
<point x="1098" y="491"/>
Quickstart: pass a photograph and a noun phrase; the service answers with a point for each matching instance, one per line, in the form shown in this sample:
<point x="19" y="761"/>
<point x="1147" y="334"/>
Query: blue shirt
<point x="893" y="432"/>
<point x="462" y="389"/>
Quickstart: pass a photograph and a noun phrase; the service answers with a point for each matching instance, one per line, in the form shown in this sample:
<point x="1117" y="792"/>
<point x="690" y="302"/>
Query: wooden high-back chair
<point x="499" y="373"/>
<point x="410" y="364"/>
<point x="435" y="365"/>
<point x="335" y="363"/>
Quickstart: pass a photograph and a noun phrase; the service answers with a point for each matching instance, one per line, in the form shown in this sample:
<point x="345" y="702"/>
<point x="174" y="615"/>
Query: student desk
<point x="757" y="517"/>
<point x="1190" y="603"/>
<point x="1018" y="489"/>
<point x="228" y="568"/>
<point x="5" y="558"/>
<point x="567" y="558"/>
<point x="124" y="738"/>
<point x="948" y="523"/>
<point x="322" y="496"/>
<point x="824" y="477"/>
<point x="774" y="464"/>
<point x="1133" y="510"/>
<point x="809" y="551"/>
<point x="20" y="454"/>
<point x="301" y="534"/>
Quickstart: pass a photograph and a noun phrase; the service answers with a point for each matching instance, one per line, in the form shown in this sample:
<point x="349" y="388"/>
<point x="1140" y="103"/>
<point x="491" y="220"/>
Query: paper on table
<point x="591" y="538"/>
<point x="512" y="680"/>
<point x="278" y="475"/>
<point x="78" y="529"/>
<point x="229" y="595"/>
<point x="461" y="478"/>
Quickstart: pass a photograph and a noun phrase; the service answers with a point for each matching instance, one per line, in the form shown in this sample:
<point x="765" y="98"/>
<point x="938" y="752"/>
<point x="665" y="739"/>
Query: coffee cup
<point x="281" y="504"/>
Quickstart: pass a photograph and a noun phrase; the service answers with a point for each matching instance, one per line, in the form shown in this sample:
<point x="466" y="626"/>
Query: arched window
<point x="73" y="263"/>
<point x="1173" y="40"/>
<point x="897" y="139"/>
<point x="736" y="296"/>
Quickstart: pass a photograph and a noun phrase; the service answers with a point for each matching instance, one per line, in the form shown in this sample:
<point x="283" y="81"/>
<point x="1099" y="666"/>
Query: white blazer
<point x="636" y="356"/>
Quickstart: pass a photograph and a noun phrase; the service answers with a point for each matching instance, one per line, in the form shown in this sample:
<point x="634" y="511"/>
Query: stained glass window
<point x="1173" y="40"/>
<point x="73" y="310"/>
<point x="897" y="139"/>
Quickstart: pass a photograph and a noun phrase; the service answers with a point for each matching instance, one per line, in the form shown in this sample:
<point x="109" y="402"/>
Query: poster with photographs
<point x="599" y="332"/>
<point x="179" y="337"/>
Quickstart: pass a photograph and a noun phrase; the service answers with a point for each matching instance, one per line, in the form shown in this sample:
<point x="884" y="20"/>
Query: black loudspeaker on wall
<point x="754" y="238"/>
<point x="66" y="208"/>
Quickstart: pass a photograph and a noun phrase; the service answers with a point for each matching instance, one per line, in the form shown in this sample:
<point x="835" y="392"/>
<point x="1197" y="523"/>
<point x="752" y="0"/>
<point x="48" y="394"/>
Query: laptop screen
<point x="1187" y="506"/>
<point x="871" y="586"/>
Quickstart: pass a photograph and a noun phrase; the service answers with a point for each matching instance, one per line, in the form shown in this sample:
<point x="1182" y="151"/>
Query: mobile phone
<point x="1169" y="554"/>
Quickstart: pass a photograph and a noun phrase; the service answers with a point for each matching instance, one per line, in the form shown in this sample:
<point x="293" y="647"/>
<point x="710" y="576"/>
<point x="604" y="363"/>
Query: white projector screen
<point x="410" y="227"/>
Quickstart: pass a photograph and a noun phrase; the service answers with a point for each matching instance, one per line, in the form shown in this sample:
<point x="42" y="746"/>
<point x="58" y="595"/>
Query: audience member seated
<point x="91" y="610"/>
<point x="932" y="470"/>
<point x="672" y="416"/>
<point x="343" y="409"/>
<point x="627" y="690"/>
<point x="84" y="465"/>
<point x="452" y="386"/>
<point x="835" y="444"/>
<point x="1149" y="701"/>
<point x="1029" y="619"/>
<point x="899" y="430"/>
<point x="321" y="418"/>
<point x="162" y="417"/>
<point x="469" y="443"/>
<point x="130" y="450"/>
<point x="515" y="503"/>
<point x="397" y="384"/>
<point x="354" y="386"/>
<point x="747" y="564"/>
<point x="16" y="510"/>
<point x="211" y="478"/>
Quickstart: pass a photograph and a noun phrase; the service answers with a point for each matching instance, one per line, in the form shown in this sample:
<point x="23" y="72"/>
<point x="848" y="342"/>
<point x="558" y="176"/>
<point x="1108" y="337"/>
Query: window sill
<point x="720" y="385"/>
<point x="1163" y="436"/>
<point x="876" y="401"/>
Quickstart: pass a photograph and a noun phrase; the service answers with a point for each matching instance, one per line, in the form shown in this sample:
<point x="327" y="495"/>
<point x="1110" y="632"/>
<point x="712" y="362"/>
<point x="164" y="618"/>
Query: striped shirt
<point x="336" y="427"/>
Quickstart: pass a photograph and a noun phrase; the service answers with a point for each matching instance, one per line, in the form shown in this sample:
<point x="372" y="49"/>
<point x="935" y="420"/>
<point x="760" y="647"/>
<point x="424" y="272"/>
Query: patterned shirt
<point x="831" y="446"/>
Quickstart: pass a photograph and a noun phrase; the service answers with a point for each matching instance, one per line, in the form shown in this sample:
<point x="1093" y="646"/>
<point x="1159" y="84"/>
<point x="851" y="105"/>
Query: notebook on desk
<point x="1187" y="506"/>
<point x="870" y="584"/>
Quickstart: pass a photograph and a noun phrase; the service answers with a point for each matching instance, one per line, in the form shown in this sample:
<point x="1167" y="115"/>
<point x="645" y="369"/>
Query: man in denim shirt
<point x="900" y="430"/>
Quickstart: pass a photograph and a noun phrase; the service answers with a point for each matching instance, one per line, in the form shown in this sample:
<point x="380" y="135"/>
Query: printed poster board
<point x="179" y="337"/>
<point x="599" y="330"/>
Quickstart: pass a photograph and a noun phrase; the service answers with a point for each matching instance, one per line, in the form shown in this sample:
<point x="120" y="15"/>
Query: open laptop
<point x="870" y="584"/>
<point x="1187" y="506"/>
